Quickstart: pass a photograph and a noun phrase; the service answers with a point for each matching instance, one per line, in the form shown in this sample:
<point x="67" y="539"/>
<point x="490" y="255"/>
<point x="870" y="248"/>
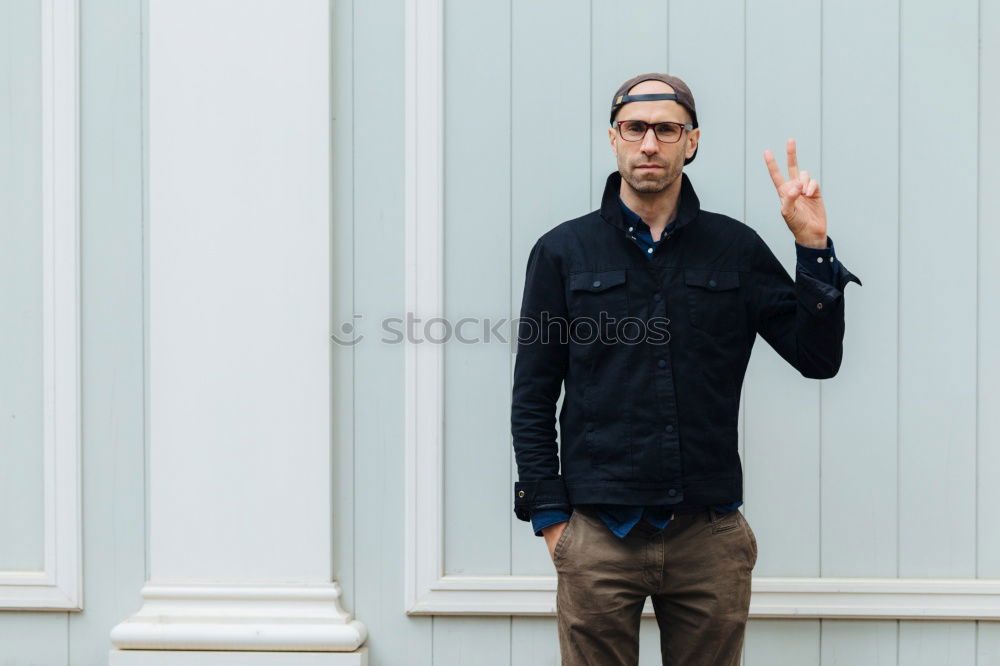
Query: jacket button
<point x="590" y="426"/>
<point x="520" y="493"/>
<point x="672" y="492"/>
<point x="819" y="306"/>
<point x="711" y="283"/>
<point x="670" y="427"/>
<point x="657" y="296"/>
<point x="661" y="363"/>
<point x="597" y="283"/>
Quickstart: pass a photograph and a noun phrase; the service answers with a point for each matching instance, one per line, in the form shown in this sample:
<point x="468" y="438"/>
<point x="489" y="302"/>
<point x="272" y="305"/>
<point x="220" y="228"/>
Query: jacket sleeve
<point x="539" y="369"/>
<point x="802" y="320"/>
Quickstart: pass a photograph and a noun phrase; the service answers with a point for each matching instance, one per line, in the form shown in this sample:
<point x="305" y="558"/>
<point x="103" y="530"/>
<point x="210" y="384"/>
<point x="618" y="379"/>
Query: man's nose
<point x="649" y="141"/>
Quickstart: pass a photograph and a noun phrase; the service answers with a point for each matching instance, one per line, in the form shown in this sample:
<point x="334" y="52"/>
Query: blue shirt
<point x="620" y="519"/>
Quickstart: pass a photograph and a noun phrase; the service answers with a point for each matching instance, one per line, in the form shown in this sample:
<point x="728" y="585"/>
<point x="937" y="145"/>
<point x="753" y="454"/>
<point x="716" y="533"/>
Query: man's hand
<point x="552" y="534"/>
<point x="801" y="201"/>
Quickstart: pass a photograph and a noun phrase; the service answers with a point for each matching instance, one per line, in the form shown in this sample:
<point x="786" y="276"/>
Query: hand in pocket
<point x="552" y="533"/>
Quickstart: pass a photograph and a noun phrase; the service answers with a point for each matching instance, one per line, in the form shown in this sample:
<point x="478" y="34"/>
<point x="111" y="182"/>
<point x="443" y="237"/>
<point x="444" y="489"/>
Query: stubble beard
<point x="648" y="185"/>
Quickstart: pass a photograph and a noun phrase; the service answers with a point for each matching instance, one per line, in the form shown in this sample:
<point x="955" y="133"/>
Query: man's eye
<point x="666" y="128"/>
<point x="633" y="127"/>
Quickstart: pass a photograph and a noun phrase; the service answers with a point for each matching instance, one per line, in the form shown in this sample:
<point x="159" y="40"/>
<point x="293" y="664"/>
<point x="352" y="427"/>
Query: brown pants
<point x="697" y="571"/>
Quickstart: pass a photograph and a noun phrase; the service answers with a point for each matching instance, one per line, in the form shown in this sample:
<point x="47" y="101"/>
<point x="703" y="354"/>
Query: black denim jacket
<point x="653" y="354"/>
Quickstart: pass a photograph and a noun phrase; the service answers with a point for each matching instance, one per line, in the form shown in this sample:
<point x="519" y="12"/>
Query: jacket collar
<point x="687" y="211"/>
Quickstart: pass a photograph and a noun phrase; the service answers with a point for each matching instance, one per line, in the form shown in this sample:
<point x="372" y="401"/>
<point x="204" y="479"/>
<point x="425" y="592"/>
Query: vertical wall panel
<point x="21" y="301"/>
<point x="550" y="172"/>
<point x="472" y="641"/>
<point x="937" y="255"/>
<point x="782" y="407"/>
<point x="706" y="50"/>
<point x="988" y="431"/>
<point x="782" y="427"/>
<point x="378" y="91"/>
<point x="478" y="489"/>
<point x="112" y="220"/>
<point x="534" y="641"/>
<point x="988" y="644"/>
<point x="858" y="419"/>
<point x="923" y="643"/>
<point x="782" y="643"/>
<point x="856" y="642"/>
<point x="988" y="449"/>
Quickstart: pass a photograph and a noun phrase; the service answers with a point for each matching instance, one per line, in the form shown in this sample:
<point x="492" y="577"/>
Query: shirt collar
<point x="613" y="209"/>
<point x="632" y="219"/>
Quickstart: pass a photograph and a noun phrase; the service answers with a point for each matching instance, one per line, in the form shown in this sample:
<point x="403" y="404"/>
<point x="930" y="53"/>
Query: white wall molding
<point x="59" y="585"/>
<point x="428" y="591"/>
<point x="841" y="598"/>
<point x="424" y="236"/>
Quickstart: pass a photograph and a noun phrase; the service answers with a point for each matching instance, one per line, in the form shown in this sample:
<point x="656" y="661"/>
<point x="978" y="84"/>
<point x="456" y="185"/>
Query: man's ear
<point x="611" y="138"/>
<point x="694" y="136"/>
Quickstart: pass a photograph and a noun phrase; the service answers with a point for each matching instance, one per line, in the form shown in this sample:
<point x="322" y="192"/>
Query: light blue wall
<point x="111" y="188"/>
<point x="21" y="497"/>
<point x="893" y="106"/>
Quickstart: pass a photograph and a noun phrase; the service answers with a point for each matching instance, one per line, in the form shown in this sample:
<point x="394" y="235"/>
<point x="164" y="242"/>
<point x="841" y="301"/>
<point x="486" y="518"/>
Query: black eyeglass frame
<point x="683" y="126"/>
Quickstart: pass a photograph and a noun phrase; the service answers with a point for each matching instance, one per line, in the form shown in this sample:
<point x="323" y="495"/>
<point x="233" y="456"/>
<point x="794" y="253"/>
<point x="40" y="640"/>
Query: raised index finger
<point x="793" y="161"/>
<point x="772" y="168"/>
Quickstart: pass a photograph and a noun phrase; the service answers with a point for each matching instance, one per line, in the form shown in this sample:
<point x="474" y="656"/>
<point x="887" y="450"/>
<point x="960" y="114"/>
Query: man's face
<point x="648" y="165"/>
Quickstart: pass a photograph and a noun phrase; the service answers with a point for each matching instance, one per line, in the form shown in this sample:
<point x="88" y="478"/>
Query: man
<point x="647" y="310"/>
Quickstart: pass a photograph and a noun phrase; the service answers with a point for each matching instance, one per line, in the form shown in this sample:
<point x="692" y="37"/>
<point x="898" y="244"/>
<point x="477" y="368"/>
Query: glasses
<point x="666" y="132"/>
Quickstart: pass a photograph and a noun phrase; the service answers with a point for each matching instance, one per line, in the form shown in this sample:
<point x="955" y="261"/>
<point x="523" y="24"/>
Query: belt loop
<point x="711" y="514"/>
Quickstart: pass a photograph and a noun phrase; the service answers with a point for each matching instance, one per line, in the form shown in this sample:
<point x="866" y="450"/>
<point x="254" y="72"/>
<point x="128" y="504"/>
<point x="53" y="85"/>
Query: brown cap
<point x="682" y="94"/>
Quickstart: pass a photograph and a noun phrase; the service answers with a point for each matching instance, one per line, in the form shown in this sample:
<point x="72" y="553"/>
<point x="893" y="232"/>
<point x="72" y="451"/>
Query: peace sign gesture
<point x="801" y="201"/>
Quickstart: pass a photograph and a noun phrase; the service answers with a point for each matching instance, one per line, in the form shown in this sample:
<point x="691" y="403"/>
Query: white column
<point x="239" y="393"/>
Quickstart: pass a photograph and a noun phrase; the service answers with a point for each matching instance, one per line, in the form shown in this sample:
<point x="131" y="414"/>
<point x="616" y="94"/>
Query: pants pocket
<point x="752" y="538"/>
<point x="725" y="522"/>
<point x="561" y="541"/>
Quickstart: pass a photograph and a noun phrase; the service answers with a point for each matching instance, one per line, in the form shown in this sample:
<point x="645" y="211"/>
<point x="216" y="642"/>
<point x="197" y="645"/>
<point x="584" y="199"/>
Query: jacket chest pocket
<point x="713" y="299"/>
<point x="597" y="294"/>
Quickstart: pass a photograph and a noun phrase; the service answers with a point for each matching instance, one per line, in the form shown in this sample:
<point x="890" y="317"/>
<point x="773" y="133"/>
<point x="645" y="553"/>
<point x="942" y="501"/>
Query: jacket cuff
<point x="540" y="494"/>
<point x="817" y="296"/>
<point x="818" y="262"/>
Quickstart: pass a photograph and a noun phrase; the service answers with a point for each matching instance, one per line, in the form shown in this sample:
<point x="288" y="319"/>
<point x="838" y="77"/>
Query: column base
<point x="277" y="618"/>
